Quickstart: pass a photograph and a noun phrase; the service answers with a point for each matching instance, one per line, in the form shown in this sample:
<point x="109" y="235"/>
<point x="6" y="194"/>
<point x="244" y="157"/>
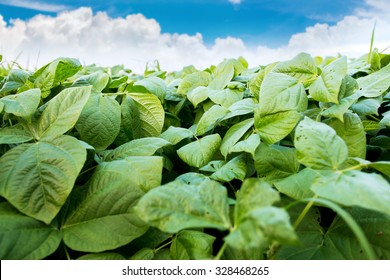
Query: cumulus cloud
<point x="235" y="1"/>
<point x="135" y="40"/>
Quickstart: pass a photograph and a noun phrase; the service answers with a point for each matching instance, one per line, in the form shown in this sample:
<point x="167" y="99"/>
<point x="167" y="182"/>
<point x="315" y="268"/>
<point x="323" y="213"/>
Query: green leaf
<point x="147" y="171"/>
<point x="223" y="74"/>
<point x="318" y="146"/>
<point x="248" y="145"/>
<point x="99" y="121"/>
<point x="192" y="245"/>
<point x="226" y="97"/>
<point x="193" y="81"/>
<point x="176" y="206"/>
<point x="143" y="254"/>
<point x="275" y="162"/>
<point x="254" y="193"/>
<point x="281" y="93"/>
<point x="198" y="95"/>
<point x="302" y="67"/>
<point x="24" y="238"/>
<point x="355" y="188"/>
<point x="234" y="134"/>
<point x="16" y="78"/>
<point x="367" y="106"/>
<point x="353" y="134"/>
<point x="200" y="152"/>
<point x="327" y="86"/>
<point x="210" y="119"/>
<point x="22" y="104"/>
<point x="274" y="223"/>
<point x="14" y="135"/>
<point x="176" y="134"/>
<point x="154" y="85"/>
<point x="298" y="185"/>
<point x="108" y="256"/>
<point x="52" y="74"/>
<point x="381" y="166"/>
<point x="275" y="127"/>
<point x="234" y="169"/>
<point x="139" y="147"/>
<point x="375" y="84"/>
<point x="62" y="112"/>
<point x="50" y="167"/>
<point x="97" y="80"/>
<point x="385" y="120"/>
<point x="241" y="107"/>
<point x="247" y="236"/>
<point x="105" y="218"/>
<point x="338" y="110"/>
<point x="148" y="115"/>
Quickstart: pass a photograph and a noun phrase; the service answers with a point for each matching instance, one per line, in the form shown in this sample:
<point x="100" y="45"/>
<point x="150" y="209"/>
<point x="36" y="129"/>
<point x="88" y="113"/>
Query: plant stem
<point x="67" y="253"/>
<point x="220" y="252"/>
<point x="164" y="245"/>
<point x="304" y="212"/>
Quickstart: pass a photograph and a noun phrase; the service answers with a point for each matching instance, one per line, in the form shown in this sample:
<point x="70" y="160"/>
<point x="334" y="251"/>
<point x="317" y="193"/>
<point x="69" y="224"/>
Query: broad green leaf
<point x="226" y="97"/>
<point x="241" y="107"/>
<point x="97" y="80"/>
<point x="381" y="166"/>
<point x="154" y="85"/>
<point x="373" y="224"/>
<point x="348" y="87"/>
<point x="281" y="93"/>
<point x="192" y="178"/>
<point x="375" y="84"/>
<point x="99" y="121"/>
<point x="355" y="188"/>
<point x="274" y="223"/>
<point x="385" y="120"/>
<point x="143" y="254"/>
<point x="148" y="118"/>
<point x="240" y="253"/>
<point x="275" y="127"/>
<point x="139" y="147"/>
<point x="223" y="74"/>
<point x="25" y="238"/>
<point x="62" y="112"/>
<point x="50" y="167"/>
<point x="176" y="134"/>
<point x="371" y="125"/>
<point x="1" y="106"/>
<point x="193" y="81"/>
<point x="192" y="245"/>
<point x="302" y="67"/>
<point x="256" y="81"/>
<point x="318" y="146"/>
<point x="248" y="145"/>
<point x="14" y="135"/>
<point x="234" y="134"/>
<point x="253" y="194"/>
<point x="201" y="151"/>
<point x="275" y="162"/>
<point x="213" y="166"/>
<point x="236" y="168"/>
<point x="147" y="171"/>
<point x="176" y="206"/>
<point x="327" y="86"/>
<point x="247" y="236"/>
<point x="22" y="104"/>
<point x="52" y="74"/>
<point x="367" y="106"/>
<point x="338" y="110"/>
<point x="210" y="119"/>
<point x="105" y="218"/>
<point x="198" y="95"/>
<point x="108" y="256"/>
<point x="16" y="78"/>
<point x="353" y="134"/>
<point x="298" y="185"/>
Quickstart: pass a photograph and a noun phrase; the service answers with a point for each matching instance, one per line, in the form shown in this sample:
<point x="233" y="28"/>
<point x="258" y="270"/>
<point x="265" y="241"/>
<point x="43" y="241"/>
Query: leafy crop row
<point x="284" y="161"/>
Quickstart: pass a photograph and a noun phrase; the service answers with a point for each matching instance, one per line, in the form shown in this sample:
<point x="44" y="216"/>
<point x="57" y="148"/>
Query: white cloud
<point x="135" y="40"/>
<point x="35" y="5"/>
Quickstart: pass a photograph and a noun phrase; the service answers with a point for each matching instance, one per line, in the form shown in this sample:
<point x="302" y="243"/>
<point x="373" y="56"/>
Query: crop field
<point x="289" y="160"/>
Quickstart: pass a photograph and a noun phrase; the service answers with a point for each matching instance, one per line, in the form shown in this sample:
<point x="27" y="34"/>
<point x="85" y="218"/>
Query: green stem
<point x="220" y="252"/>
<point x="85" y="171"/>
<point x="67" y="253"/>
<point x="164" y="245"/>
<point x="304" y="212"/>
<point x="374" y="118"/>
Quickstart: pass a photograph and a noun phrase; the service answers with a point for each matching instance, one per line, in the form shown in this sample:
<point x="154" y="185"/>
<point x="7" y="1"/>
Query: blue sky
<point x="269" y="22"/>
<point x="177" y="32"/>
